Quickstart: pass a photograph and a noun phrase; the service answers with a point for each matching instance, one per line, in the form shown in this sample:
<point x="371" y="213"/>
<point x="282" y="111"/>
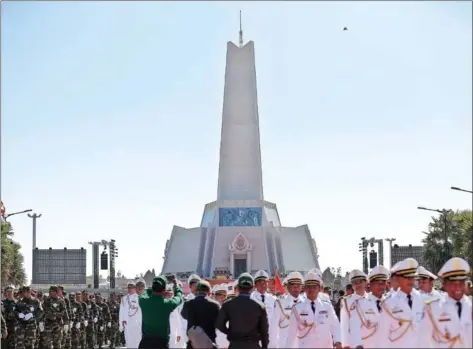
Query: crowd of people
<point x="397" y="308"/>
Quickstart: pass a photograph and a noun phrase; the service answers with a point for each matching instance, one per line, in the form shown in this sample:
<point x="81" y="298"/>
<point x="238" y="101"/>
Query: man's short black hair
<point x="157" y="287"/>
<point x="349" y="287"/>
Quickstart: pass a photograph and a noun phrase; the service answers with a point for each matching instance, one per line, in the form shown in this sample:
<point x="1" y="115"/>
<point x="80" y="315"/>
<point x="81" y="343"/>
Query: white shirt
<point x="269" y="301"/>
<point x="400" y="323"/>
<point x="364" y="323"/>
<point x="279" y="323"/>
<point x="347" y="307"/>
<point x="443" y="328"/>
<point x="313" y="324"/>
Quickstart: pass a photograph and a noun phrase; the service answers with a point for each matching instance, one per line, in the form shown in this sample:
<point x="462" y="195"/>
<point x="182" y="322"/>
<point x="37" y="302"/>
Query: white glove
<point x="86" y="323"/>
<point x="78" y="325"/>
<point x="41" y="326"/>
<point x="95" y="320"/>
<point x="72" y="324"/>
<point x="28" y="316"/>
<point x="109" y="324"/>
<point x="66" y="328"/>
<point x="101" y="328"/>
<point x="21" y="315"/>
<point x="120" y="328"/>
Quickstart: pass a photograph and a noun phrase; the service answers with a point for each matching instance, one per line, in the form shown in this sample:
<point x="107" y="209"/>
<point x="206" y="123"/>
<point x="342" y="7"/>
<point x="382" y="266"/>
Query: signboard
<point x="59" y="267"/>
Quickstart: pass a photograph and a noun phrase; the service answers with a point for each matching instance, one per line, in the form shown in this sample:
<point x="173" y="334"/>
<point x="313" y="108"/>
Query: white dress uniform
<point x="423" y="273"/>
<point x="448" y="322"/>
<point x="131" y="313"/>
<point x="313" y="323"/>
<point x="194" y="278"/>
<point x="221" y="339"/>
<point x="402" y="313"/>
<point x="267" y="298"/>
<point x="279" y="323"/>
<point x="348" y="307"/>
<point x="364" y="324"/>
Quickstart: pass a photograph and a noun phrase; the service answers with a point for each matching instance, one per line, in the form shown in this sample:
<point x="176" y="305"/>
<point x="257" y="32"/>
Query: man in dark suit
<point x="247" y="318"/>
<point x="202" y="311"/>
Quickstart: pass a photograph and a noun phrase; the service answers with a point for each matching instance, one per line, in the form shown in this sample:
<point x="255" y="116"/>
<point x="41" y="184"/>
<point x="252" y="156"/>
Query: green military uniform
<point x="56" y="319"/>
<point x="113" y="330"/>
<point x="92" y="319"/>
<point x="66" y="335"/>
<point x="77" y="319"/>
<point x="83" y="330"/>
<point x="104" y="319"/>
<point x="10" y="314"/>
<point x="156" y="309"/>
<point x="29" y="311"/>
<point x="40" y="334"/>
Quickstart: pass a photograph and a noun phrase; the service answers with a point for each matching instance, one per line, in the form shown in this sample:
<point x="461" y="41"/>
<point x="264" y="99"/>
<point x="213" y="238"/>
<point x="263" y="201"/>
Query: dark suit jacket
<point x="202" y="311"/>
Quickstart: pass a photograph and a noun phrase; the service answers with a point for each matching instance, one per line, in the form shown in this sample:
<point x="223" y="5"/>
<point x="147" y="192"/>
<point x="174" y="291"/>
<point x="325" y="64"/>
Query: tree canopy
<point x="13" y="270"/>
<point x="459" y="239"/>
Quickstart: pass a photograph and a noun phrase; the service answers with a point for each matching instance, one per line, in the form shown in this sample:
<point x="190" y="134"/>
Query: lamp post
<point x="390" y="240"/>
<point x="445" y="223"/>
<point x="19" y="212"/>
<point x="459" y="189"/>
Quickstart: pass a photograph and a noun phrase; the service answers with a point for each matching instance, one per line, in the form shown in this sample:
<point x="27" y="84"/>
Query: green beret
<point x="203" y="285"/>
<point x="160" y="281"/>
<point x="245" y="280"/>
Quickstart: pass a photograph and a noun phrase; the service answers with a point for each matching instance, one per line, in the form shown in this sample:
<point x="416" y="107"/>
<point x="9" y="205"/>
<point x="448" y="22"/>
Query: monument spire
<point x="240" y="41"/>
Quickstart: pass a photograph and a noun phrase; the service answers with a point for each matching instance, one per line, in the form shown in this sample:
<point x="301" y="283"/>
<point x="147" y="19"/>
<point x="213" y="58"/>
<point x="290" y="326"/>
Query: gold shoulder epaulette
<point x="385" y="298"/>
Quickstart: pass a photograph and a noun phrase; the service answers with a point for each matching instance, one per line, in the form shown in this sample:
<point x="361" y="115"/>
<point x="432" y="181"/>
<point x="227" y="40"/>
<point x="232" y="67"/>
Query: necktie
<point x="378" y="302"/>
<point x="409" y="300"/>
<point x="262" y="298"/>
<point x="312" y="305"/>
<point x="459" y="310"/>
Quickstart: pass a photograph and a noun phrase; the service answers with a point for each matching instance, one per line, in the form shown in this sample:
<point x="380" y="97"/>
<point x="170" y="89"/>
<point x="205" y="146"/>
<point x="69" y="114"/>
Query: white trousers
<point x="133" y="334"/>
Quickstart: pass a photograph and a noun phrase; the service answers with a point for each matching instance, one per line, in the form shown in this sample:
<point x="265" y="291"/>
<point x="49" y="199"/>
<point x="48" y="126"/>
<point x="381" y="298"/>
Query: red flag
<point x="278" y="287"/>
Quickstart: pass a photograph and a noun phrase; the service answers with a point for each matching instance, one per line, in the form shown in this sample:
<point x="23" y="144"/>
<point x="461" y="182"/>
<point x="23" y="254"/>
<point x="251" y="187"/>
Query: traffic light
<point x="104" y="261"/>
<point x="373" y="259"/>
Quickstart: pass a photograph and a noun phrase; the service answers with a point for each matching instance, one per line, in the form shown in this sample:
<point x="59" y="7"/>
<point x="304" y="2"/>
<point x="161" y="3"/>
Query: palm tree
<point x="13" y="272"/>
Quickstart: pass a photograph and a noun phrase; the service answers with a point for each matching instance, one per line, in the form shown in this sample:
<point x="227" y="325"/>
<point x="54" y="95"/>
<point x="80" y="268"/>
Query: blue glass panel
<point x="240" y="217"/>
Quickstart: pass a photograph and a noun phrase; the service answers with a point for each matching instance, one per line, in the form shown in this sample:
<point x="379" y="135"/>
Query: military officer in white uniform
<point x="313" y="323"/>
<point x="393" y="283"/>
<point x="403" y="310"/>
<point x="261" y="291"/>
<point x="220" y="295"/>
<point x="448" y="319"/>
<point x="425" y="280"/>
<point x="321" y="295"/>
<point x="348" y="307"/>
<point x="364" y="318"/>
<point x="192" y="281"/>
<point x="279" y="323"/>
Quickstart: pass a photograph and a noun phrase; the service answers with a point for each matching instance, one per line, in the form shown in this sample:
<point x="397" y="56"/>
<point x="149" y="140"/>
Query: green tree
<point x="13" y="271"/>
<point x="459" y="238"/>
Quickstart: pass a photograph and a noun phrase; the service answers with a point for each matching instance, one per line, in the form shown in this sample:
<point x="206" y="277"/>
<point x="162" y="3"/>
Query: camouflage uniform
<point x="40" y="335"/>
<point x="10" y="314"/>
<point x="92" y="320"/>
<point x="55" y="319"/>
<point x="77" y="320"/>
<point x="29" y="311"/>
<point x="66" y="335"/>
<point x="113" y="332"/>
<point x="104" y="320"/>
<point x="83" y="328"/>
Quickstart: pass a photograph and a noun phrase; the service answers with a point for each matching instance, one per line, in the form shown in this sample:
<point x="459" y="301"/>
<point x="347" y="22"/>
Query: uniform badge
<point x="353" y="306"/>
<point x="447" y="334"/>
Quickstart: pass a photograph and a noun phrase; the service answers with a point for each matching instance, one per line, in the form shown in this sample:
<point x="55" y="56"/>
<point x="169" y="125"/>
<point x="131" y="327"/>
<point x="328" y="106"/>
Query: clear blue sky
<point x="111" y="118"/>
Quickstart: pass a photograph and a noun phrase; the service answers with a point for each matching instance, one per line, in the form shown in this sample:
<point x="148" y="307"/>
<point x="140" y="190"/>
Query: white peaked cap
<point x="317" y="271"/>
<point x="379" y="273"/>
<point x="142" y="281"/>
<point x="406" y="268"/>
<point x="230" y="289"/>
<point x="193" y="278"/>
<point x="313" y="279"/>
<point x="131" y="282"/>
<point x="261" y="275"/>
<point x="393" y="268"/>
<point x="423" y="273"/>
<point x="455" y="268"/>
<point x="294" y="277"/>
<point x="222" y="288"/>
<point x="356" y="274"/>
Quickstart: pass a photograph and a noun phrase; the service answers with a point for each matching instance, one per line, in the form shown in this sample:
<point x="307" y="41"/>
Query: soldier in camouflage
<point x="39" y="334"/>
<point x="77" y="320"/>
<point x="10" y="314"/>
<point x="113" y="330"/>
<point x="85" y="323"/>
<point x="56" y="319"/>
<point x="92" y="309"/>
<point x="29" y="311"/>
<point x="104" y="319"/>
<point x="66" y="335"/>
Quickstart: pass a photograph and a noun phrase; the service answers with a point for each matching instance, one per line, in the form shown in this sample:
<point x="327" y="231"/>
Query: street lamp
<point x="445" y="222"/>
<point x="19" y="212"/>
<point x="459" y="189"/>
<point x="390" y="240"/>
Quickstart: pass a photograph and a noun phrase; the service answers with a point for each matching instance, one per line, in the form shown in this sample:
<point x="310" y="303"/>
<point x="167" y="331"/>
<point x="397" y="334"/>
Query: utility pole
<point x="390" y="240"/>
<point x="34" y="216"/>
